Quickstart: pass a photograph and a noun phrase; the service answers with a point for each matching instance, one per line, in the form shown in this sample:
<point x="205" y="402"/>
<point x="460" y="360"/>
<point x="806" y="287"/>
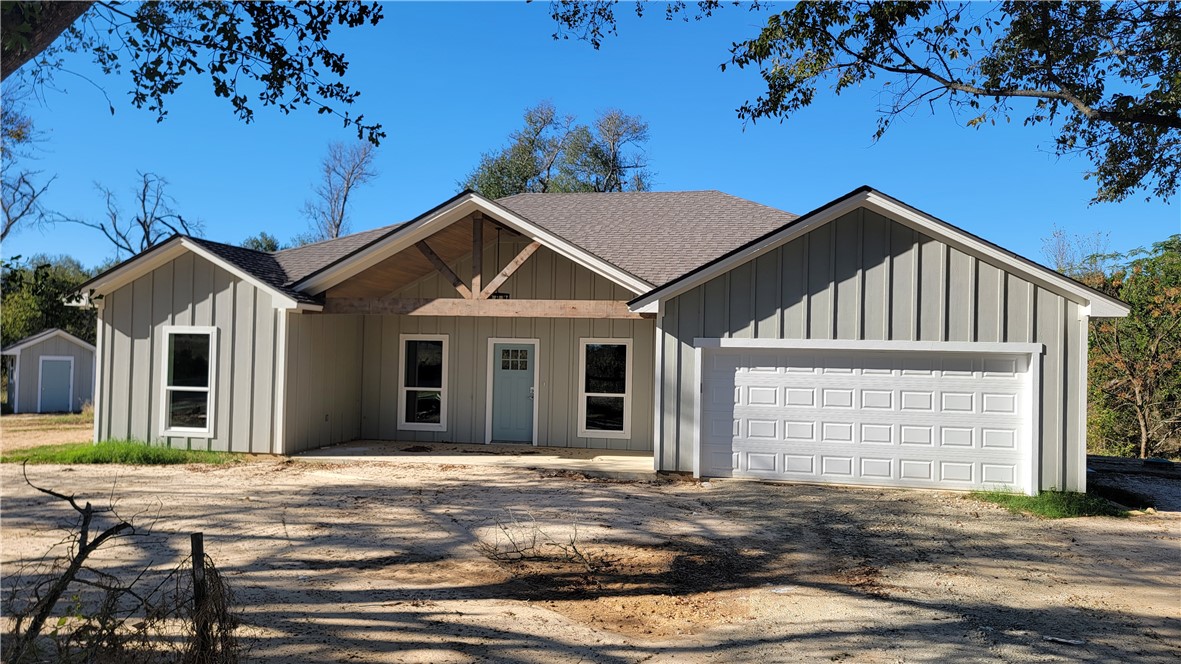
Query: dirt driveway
<point x="390" y="563"/>
<point x="18" y="432"/>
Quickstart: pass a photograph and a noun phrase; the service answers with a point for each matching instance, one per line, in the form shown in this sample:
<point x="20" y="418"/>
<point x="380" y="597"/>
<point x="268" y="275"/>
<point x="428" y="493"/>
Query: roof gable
<point x="451" y="211"/>
<point x="45" y="335"/>
<point x="1099" y="304"/>
<point x="256" y="267"/>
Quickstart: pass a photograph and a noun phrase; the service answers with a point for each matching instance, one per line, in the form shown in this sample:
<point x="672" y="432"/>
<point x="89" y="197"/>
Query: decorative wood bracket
<point x="443" y="269"/>
<point x="508" y="270"/>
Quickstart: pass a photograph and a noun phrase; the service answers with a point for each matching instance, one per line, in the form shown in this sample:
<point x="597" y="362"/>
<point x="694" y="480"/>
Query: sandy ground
<point x="387" y="562"/>
<point x="18" y="432"/>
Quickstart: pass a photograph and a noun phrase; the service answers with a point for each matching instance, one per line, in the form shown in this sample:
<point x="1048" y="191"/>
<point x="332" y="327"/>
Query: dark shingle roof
<point x="264" y="266"/>
<point x="657" y="236"/>
<point x="300" y="262"/>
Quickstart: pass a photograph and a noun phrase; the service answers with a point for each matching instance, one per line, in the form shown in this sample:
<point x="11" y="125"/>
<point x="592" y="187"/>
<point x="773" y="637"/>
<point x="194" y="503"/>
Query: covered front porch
<point x="476" y="334"/>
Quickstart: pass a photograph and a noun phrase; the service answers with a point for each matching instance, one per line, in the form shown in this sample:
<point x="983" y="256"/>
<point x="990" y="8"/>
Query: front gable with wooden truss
<point x="863" y="343"/>
<point x="514" y="315"/>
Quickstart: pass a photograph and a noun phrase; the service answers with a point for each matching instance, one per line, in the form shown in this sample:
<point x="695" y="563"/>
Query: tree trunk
<point x="45" y="21"/>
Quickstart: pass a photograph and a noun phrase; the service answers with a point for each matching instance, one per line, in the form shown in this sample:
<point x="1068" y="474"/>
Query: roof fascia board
<point x="752" y="251"/>
<point x="280" y="300"/>
<point x="162" y="254"/>
<point x="46" y="336"/>
<point x="441" y="217"/>
<point x="134" y="267"/>
<point x="1100" y="305"/>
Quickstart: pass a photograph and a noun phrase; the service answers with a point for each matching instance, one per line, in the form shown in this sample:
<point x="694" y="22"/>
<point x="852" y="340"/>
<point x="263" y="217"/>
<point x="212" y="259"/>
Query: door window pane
<point x="606" y="369"/>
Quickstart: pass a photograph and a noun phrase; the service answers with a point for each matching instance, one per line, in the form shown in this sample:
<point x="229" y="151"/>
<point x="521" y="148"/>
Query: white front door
<point x="897" y="418"/>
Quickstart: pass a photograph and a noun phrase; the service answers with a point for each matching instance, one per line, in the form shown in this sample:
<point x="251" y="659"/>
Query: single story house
<point x="49" y="372"/>
<point x="865" y="342"/>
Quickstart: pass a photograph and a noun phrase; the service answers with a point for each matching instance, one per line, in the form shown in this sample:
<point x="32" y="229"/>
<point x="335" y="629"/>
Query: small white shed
<point x="50" y="372"/>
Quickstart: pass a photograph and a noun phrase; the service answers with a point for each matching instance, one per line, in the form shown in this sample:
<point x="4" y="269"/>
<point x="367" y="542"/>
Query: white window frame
<point x="583" y="432"/>
<point x="211" y="391"/>
<point x="403" y="389"/>
<point x="41" y="372"/>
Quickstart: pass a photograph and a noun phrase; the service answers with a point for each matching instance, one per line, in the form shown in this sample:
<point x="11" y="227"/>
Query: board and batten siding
<point x="189" y="291"/>
<point x="28" y="372"/>
<point x="324" y="366"/>
<point x="866" y="277"/>
<point x="557" y="378"/>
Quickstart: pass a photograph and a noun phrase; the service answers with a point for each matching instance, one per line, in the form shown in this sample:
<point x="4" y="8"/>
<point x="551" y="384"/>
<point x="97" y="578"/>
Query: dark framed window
<point x="604" y="392"/>
<point x="422" y="396"/>
<point x="190" y="362"/>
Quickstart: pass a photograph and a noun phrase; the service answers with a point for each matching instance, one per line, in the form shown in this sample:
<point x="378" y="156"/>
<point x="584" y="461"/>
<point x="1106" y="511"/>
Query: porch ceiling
<point x="404" y="268"/>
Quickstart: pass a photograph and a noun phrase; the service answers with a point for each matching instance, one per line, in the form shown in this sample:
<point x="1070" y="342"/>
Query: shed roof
<point x="33" y="339"/>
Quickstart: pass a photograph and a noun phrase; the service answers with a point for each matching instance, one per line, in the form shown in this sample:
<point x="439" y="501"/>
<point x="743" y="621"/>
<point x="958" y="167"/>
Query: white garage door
<point x="896" y="418"/>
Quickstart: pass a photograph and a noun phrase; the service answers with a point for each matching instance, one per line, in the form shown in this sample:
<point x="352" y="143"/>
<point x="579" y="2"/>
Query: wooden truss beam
<point x="602" y="309"/>
<point x="477" y="251"/>
<point x="508" y="271"/>
<point x="442" y="268"/>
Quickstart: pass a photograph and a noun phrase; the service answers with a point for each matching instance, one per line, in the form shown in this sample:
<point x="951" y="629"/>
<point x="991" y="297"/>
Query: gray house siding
<point x="324" y="366"/>
<point x="865" y="277"/>
<point x="189" y="291"/>
<point x="28" y="373"/>
<point x="557" y="388"/>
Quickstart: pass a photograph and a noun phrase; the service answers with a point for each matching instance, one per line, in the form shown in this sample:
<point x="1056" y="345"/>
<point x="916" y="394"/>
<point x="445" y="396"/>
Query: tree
<point x="254" y="53"/>
<point x="1135" y="362"/>
<point x="33" y="293"/>
<point x="553" y="153"/>
<point x="264" y="241"/>
<point x="1103" y="74"/>
<point x="343" y="169"/>
<point x="21" y="190"/>
<point x="1077" y="255"/>
<point x="153" y="220"/>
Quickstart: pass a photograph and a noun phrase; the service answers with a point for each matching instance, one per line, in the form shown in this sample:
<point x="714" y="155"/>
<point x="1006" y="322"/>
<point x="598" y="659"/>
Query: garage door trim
<point x="1032" y="377"/>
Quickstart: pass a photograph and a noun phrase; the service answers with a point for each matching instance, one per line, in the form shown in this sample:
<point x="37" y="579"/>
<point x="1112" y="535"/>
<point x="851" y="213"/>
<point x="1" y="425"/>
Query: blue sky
<point x="451" y="80"/>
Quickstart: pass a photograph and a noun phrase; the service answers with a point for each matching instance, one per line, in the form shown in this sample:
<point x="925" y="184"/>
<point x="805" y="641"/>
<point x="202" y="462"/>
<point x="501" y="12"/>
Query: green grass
<point x="115" y="451"/>
<point x="1052" y="504"/>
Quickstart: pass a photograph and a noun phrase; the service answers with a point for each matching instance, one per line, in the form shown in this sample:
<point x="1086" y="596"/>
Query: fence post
<point x="200" y="612"/>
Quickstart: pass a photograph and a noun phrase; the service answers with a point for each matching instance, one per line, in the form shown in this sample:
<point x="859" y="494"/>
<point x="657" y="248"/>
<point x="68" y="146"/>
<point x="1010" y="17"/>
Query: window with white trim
<point x="604" y="388"/>
<point x="422" y="393"/>
<point x="190" y="365"/>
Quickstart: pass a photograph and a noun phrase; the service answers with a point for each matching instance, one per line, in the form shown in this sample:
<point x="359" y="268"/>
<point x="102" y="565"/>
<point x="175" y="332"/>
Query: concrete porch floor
<point x="615" y="464"/>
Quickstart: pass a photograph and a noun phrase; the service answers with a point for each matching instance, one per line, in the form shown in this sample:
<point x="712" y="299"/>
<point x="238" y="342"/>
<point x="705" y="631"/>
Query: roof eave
<point x="1097" y="304"/>
<point x="444" y="215"/>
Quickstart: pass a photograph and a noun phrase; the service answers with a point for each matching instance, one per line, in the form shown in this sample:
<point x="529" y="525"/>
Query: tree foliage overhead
<point x="554" y="153"/>
<point x="1135" y="362"/>
<point x="253" y="53"/>
<point x="21" y="189"/>
<point x="32" y="298"/>
<point x="1107" y="76"/>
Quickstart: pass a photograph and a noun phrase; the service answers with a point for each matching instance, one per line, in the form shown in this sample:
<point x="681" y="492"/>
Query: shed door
<point x="57" y="378"/>
<point x="907" y="419"/>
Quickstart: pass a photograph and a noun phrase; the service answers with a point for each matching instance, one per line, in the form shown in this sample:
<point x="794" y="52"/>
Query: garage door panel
<point x="920" y="420"/>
